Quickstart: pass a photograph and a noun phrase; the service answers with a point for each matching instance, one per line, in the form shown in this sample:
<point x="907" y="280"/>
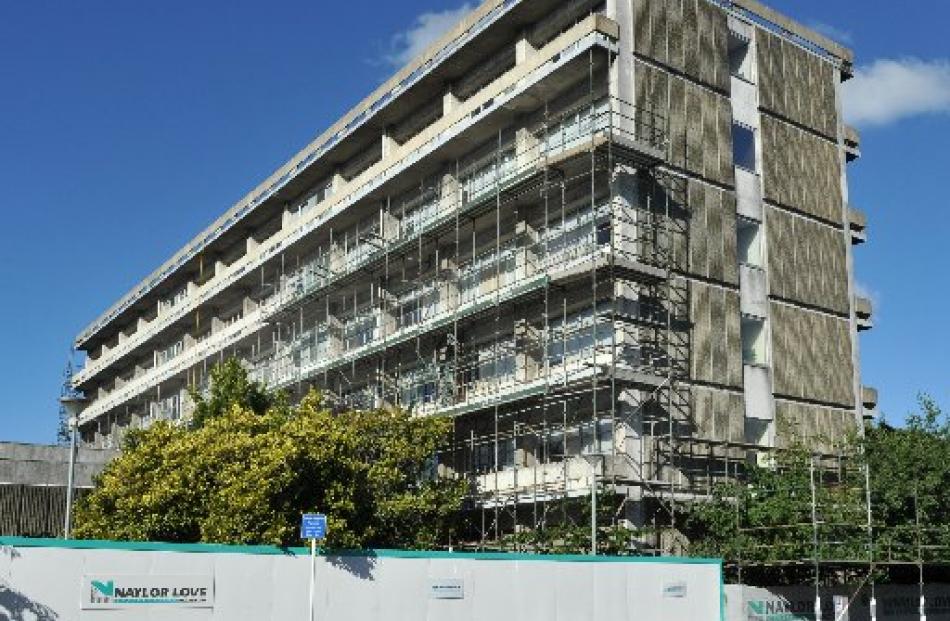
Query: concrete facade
<point x="33" y="480"/>
<point x="610" y="239"/>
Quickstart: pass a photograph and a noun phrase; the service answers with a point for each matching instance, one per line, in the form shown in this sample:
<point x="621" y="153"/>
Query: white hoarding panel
<point x="92" y="581"/>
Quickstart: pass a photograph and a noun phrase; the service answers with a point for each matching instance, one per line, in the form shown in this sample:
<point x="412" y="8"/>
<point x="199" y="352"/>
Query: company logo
<point x="139" y="591"/>
<point x="105" y="588"/>
<point x="780" y="610"/>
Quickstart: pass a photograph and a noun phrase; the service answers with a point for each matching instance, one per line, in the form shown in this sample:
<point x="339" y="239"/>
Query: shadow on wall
<point x="360" y="566"/>
<point x="14" y="606"/>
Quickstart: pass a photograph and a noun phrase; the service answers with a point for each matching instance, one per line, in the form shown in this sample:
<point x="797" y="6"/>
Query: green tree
<point x="910" y="481"/>
<point x="765" y="517"/>
<point x="230" y="386"/>
<point x="245" y="476"/>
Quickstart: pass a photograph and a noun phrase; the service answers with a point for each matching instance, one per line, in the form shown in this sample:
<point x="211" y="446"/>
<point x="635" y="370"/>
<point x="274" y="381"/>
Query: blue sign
<point x="313" y="526"/>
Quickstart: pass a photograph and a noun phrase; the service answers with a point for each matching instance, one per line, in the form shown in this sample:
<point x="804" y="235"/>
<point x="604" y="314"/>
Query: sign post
<point x="313" y="526"/>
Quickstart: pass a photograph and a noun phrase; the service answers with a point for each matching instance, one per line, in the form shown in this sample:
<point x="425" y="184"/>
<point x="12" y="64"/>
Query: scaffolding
<point x="530" y="292"/>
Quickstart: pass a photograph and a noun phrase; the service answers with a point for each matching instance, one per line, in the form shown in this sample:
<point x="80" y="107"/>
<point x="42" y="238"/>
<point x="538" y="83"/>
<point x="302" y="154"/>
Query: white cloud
<point x="424" y="31"/>
<point x="890" y="90"/>
<point x="832" y="32"/>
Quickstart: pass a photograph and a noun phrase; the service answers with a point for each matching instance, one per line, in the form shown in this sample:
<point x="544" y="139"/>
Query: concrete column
<point x="389" y="144"/>
<point x="386" y="308"/>
<point x="624" y="227"/>
<point x="527" y="148"/>
<point x="286" y="218"/>
<point x="188" y="341"/>
<point x="449" y="193"/>
<point x="527" y="345"/>
<point x="388" y="225"/>
<point x="219" y="268"/>
<point x="249" y="305"/>
<point x="526" y="261"/>
<point x="621" y="74"/>
<point x="192" y="288"/>
<point x="449" y="102"/>
<point x="523" y="50"/>
<point x="337" y="182"/>
<point x="448" y="283"/>
<point x="216" y="324"/>
<point x="252" y="244"/>
<point x="185" y="405"/>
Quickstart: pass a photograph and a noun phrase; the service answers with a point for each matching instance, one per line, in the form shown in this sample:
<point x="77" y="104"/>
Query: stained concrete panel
<point x="801" y="171"/>
<point x="718" y="414"/>
<point x="796" y="84"/>
<point x="811" y="355"/>
<point x="700" y="126"/>
<point x="688" y="36"/>
<point x="820" y="427"/>
<point x="716" y="347"/>
<point x="807" y="261"/>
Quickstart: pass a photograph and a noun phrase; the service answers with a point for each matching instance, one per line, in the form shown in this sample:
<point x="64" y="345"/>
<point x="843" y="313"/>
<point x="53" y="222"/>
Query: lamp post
<point x="73" y="406"/>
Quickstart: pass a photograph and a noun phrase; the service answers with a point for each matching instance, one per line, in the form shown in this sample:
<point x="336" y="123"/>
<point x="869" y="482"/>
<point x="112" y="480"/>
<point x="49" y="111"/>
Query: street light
<point x="74" y="406"/>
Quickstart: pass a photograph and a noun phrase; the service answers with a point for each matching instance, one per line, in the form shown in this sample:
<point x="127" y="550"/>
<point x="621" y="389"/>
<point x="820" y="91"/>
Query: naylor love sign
<point x="108" y="592"/>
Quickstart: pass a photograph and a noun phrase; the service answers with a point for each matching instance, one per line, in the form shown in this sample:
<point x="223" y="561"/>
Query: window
<point x="743" y="146"/>
<point x="749" y="242"/>
<point x="753" y="341"/>
<point x="740" y="58"/>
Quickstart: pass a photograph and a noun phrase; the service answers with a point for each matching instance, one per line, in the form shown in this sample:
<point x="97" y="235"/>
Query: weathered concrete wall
<point x="822" y="427"/>
<point x="269" y="584"/>
<point x="719" y="415"/>
<point x="700" y="122"/>
<point x="796" y="84"/>
<point x="807" y="261"/>
<point x="41" y="464"/>
<point x="710" y="250"/>
<point x="689" y="36"/>
<point x="34" y="510"/>
<point x="716" y="347"/>
<point x="811" y="355"/>
<point x="33" y="479"/>
<point x="800" y="170"/>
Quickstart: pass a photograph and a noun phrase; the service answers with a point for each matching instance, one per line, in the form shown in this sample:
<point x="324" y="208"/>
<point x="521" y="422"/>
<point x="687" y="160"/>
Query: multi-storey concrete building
<point x="612" y="240"/>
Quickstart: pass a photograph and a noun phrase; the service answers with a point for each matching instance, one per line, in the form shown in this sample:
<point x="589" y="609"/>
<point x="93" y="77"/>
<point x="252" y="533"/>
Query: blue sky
<point x="127" y="127"/>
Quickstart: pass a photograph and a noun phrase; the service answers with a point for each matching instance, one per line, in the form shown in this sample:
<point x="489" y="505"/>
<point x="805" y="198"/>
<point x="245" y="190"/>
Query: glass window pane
<point x="743" y="146"/>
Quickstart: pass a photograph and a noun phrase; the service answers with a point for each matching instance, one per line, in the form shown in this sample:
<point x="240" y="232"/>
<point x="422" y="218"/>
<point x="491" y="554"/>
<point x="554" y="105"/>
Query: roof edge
<point x="790" y="25"/>
<point x="288" y="168"/>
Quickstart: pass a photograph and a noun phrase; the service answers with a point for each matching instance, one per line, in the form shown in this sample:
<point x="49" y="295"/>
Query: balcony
<point x="640" y="134"/>
<point x="852" y="143"/>
<point x="857" y="225"/>
<point x="869" y="401"/>
<point x="506" y="94"/>
<point x="862" y="312"/>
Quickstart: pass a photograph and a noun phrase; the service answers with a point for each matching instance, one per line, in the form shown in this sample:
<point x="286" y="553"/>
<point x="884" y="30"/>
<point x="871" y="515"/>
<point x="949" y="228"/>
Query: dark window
<point x="743" y="146"/>
<point x="740" y="60"/>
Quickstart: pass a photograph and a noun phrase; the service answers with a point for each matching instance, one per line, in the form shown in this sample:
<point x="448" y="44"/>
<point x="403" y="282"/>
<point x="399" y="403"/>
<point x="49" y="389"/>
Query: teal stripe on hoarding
<point x="216" y="548"/>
